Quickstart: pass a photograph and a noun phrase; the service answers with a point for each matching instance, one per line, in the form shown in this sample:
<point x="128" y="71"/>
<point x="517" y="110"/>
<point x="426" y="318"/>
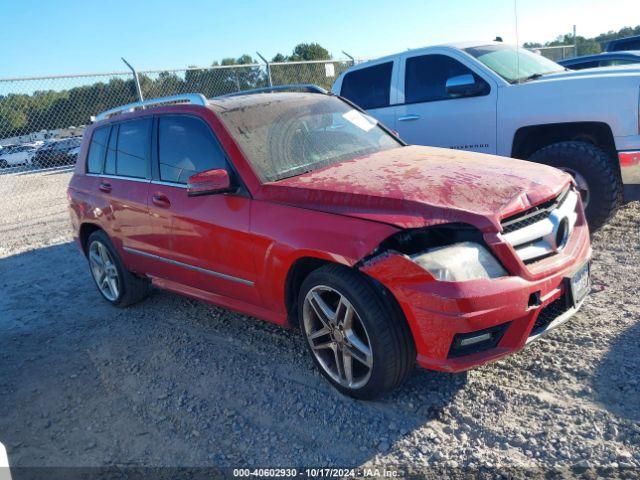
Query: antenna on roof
<point x="135" y="78"/>
<point x="515" y="12"/>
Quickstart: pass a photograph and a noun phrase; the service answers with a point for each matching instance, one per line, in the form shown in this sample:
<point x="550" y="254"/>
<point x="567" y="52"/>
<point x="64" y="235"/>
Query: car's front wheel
<point x="115" y="283"/>
<point x="359" y="339"/>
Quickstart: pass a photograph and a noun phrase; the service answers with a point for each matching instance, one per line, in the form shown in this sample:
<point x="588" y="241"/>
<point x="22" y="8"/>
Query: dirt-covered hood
<point x="416" y="186"/>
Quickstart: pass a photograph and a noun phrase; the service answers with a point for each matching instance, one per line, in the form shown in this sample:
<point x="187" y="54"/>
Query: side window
<point x="133" y="148"/>
<point x="368" y="87"/>
<point x="97" y="148"/>
<point x="186" y="146"/>
<point x="426" y="78"/>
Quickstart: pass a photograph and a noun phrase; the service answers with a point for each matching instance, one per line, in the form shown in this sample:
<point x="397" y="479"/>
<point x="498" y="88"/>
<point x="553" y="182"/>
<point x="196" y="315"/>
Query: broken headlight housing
<point x="459" y="262"/>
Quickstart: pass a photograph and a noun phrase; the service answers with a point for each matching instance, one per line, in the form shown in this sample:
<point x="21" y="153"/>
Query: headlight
<point x="459" y="262"/>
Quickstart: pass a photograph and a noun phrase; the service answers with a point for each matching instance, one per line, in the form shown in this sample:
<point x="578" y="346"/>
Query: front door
<point x="199" y="237"/>
<point x="428" y="114"/>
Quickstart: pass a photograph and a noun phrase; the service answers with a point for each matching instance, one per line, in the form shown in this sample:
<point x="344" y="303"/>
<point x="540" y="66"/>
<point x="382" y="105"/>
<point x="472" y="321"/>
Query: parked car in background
<point x="14" y="155"/>
<point x="298" y="208"/>
<point x="494" y="98"/>
<point x="602" y="60"/>
<point x="58" y="152"/>
<point x="621" y="44"/>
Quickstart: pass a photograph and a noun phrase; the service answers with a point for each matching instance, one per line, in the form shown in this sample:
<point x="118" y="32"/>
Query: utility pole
<point x="575" y="42"/>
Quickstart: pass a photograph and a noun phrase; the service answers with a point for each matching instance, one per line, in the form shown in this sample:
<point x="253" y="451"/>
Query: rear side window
<point x="627" y="44"/>
<point x="368" y="87"/>
<point x="426" y="77"/>
<point x="133" y="148"/>
<point x="97" y="149"/>
<point x="186" y="146"/>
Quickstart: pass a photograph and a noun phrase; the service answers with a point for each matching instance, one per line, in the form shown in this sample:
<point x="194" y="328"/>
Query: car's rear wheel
<point x="115" y="283"/>
<point x="596" y="176"/>
<point x="4" y="164"/>
<point x="359" y="340"/>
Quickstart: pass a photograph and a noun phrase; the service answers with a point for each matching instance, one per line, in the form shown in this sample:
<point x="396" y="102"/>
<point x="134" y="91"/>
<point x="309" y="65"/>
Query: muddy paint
<point x="418" y="186"/>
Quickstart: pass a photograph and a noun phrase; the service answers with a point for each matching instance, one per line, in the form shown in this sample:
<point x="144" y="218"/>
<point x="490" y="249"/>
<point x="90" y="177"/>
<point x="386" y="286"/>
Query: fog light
<point x="478" y="341"/>
<point x="478" y="338"/>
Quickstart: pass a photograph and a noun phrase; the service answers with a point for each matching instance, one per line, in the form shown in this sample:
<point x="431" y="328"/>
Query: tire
<point x="597" y="170"/>
<point x="377" y="323"/>
<point x="130" y="288"/>
<point x="4" y="164"/>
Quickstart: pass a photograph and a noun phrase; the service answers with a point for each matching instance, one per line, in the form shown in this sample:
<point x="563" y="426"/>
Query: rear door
<point x="371" y="88"/>
<point x="427" y="115"/>
<point x="119" y="159"/>
<point x="203" y="240"/>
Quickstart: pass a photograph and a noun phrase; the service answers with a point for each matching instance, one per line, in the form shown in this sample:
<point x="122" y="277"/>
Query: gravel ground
<point x="176" y="382"/>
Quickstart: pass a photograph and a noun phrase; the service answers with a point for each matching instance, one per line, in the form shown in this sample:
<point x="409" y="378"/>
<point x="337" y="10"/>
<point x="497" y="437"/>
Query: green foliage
<point x="587" y="46"/>
<point x="300" y="73"/>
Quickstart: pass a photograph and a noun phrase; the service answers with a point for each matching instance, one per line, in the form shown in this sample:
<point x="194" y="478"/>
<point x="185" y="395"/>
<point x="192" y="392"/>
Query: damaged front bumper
<point x="460" y="325"/>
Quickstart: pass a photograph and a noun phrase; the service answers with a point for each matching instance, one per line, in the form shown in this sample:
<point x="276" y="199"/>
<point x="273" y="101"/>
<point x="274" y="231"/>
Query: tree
<point x="587" y="46"/>
<point x="300" y="73"/>
<point x="309" y="51"/>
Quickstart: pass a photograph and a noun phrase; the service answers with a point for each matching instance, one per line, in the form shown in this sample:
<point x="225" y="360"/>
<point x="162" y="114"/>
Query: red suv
<point x="298" y="208"/>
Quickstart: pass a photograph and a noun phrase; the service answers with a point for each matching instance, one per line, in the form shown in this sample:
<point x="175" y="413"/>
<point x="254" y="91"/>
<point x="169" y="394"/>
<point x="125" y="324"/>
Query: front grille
<point x="549" y="313"/>
<point x="537" y="213"/>
<point x="544" y="229"/>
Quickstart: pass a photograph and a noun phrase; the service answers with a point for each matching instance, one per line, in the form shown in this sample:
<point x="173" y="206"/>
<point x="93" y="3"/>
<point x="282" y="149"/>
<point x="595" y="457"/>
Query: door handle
<point x="161" y="200"/>
<point x="406" y="118"/>
<point x="105" y="186"/>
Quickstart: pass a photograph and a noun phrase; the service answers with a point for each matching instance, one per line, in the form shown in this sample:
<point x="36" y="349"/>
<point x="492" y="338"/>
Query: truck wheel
<point x="595" y="173"/>
<point x="361" y="344"/>
<point x="115" y="283"/>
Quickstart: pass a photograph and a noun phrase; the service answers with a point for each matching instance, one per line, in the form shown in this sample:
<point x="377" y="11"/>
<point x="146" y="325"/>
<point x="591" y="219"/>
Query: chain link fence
<point x="556" y="53"/>
<point x="42" y="121"/>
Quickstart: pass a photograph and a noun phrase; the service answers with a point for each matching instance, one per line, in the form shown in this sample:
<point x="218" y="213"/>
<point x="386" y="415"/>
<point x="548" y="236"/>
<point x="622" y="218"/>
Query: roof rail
<point x="306" y="87"/>
<point x="190" y="98"/>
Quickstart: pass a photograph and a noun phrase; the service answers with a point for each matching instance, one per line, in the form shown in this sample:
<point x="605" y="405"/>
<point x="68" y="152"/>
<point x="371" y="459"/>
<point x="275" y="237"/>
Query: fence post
<point x="136" y="79"/>
<point x="268" y="68"/>
<point x="353" y="60"/>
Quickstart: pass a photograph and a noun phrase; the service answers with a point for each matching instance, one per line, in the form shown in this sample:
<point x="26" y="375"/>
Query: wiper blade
<point x="535" y="76"/>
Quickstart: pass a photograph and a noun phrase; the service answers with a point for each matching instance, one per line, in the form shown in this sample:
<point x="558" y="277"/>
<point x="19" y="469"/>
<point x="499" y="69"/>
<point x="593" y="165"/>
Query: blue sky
<point x="65" y="36"/>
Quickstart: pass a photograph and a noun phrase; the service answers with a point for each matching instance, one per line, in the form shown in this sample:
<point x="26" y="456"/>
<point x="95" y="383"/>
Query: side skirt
<point x="221" y="301"/>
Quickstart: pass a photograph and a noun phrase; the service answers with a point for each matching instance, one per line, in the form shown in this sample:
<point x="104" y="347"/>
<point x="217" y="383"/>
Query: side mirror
<point x="463" y="86"/>
<point x="209" y="182"/>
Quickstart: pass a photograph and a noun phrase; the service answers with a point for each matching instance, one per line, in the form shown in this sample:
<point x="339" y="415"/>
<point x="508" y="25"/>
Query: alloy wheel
<point x="104" y="271"/>
<point x="337" y="336"/>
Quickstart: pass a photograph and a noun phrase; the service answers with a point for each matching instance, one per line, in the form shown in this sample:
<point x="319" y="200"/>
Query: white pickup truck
<point x="493" y="98"/>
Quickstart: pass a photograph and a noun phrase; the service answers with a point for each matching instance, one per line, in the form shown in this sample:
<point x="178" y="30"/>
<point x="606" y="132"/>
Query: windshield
<point x="514" y="65"/>
<point x="287" y="134"/>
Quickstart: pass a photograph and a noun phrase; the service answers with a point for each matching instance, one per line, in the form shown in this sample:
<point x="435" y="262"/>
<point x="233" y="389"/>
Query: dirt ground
<point x="176" y="382"/>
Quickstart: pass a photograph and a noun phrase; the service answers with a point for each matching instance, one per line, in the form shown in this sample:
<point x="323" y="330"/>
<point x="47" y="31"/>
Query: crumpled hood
<point x="416" y="186"/>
